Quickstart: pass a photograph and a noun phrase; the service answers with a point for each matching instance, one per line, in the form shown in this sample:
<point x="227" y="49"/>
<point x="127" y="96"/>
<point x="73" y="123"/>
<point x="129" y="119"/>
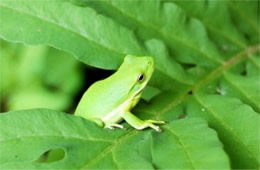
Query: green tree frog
<point x="108" y="102"/>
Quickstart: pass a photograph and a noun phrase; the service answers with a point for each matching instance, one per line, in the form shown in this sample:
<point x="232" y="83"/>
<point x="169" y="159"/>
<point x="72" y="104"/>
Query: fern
<point x="207" y="70"/>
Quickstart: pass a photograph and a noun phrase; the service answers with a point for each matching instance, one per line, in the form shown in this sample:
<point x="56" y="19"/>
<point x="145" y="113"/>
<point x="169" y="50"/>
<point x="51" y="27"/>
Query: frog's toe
<point x="124" y="128"/>
<point x="158" y="129"/>
<point x="156" y="121"/>
<point x="116" y="126"/>
<point x="150" y="124"/>
<point x="110" y="127"/>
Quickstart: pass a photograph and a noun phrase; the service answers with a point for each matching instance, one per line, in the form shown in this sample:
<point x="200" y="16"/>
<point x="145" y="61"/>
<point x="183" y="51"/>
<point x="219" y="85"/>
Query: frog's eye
<point x="140" y="77"/>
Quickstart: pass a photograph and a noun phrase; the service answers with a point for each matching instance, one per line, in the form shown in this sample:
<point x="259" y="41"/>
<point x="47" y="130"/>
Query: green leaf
<point x="111" y="51"/>
<point x="188" y="40"/>
<point x="207" y="70"/>
<point x="96" y="47"/>
<point x="246" y="16"/>
<point x="236" y="124"/>
<point x="184" y="142"/>
<point x="49" y="130"/>
<point x="26" y="144"/>
<point x="221" y="29"/>
<point x="245" y="88"/>
<point x="35" y="81"/>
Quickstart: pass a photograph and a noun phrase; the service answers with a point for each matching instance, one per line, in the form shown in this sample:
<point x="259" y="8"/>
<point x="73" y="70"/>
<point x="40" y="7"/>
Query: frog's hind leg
<point x="98" y="121"/>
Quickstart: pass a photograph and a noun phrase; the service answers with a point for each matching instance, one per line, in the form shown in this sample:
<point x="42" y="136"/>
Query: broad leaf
<point x="73" y="35"/>
<point x="84" y="145"/>
<point x="34" y="79"/>
<point x="236" y="124"/>
<point x="207" y="70"/>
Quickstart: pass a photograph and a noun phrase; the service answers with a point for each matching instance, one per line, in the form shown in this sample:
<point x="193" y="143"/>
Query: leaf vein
<point x="186" y="153"/>
<point x="114" y="159"/>
<point x="215" y="73"/>
<point x="228" y="129"/>
<point x="164" y="35"/>
<point x="246" y="18"/>
<point x="68" y="137"/>
<point x="243" y="93"/>
<point x="109" y="149"/>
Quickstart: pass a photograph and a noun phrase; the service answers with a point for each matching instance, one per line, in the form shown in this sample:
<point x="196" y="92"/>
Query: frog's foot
<point x="141" y="124"/>
<point x="150" y="123"/>
<point x="113" y="126"/>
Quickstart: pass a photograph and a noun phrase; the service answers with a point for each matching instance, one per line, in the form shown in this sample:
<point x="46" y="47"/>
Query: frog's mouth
<point x="143" y="85"/>
<point x="141" y="89"/>
<point x="136" y="95"/>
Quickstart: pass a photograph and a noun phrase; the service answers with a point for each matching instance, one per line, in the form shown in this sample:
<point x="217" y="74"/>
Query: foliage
<point x="207" y="70"/>
<point x="35" y="80"/>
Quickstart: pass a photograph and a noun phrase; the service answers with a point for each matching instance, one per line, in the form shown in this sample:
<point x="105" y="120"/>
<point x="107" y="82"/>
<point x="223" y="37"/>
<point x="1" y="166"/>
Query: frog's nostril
<point x="149" y="62"/>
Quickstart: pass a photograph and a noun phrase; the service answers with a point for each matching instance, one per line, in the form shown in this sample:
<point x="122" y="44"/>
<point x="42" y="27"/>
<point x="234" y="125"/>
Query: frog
<point x="109" y="101"/>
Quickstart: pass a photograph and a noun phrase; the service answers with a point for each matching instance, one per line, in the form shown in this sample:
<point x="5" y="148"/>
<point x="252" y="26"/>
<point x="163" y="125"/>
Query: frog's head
<point x="140" y="70"/>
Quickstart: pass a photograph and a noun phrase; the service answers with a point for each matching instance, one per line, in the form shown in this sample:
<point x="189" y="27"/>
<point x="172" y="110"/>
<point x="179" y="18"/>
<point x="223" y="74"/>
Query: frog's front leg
<point x="112" y="126"/>
<point x="141" y="124"/>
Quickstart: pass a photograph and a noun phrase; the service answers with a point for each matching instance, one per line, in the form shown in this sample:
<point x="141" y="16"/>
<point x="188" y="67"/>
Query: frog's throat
<point x="139" y="91"/>
<point x="123" y="105"/>
<point x="117" y="110"/>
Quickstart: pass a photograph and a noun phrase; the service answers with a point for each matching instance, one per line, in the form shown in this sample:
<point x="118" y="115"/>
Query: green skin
<point x="108" y="102"/>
